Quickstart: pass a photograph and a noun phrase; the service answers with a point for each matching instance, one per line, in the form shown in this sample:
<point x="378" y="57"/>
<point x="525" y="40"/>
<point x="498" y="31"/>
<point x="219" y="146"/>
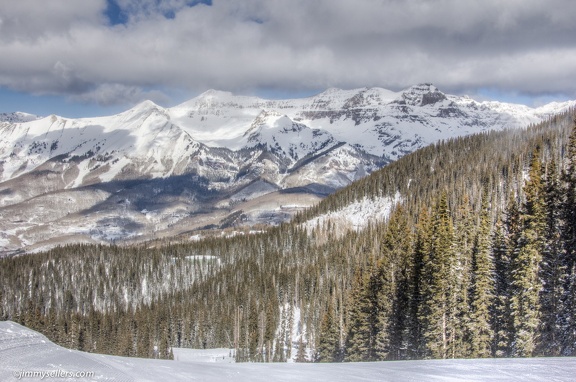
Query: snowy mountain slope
<point x="375" y="121"/>
<point x="24" y="351"/>
<point x="17" y="117"/>
<point x="193" y="165"/>
<point x="143" y="134"/>
<point x="379" y="121"/>
<point x="356" y="216"/>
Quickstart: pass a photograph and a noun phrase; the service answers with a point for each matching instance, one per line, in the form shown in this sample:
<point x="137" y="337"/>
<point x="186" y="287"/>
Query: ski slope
<point x="23" y="350"/>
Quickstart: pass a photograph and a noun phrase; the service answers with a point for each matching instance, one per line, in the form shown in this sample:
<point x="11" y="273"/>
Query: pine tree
<point x="124" y="338"/>
<point x="328" y="348"/>
<point x="420" y="285"/>
<point x="281" y="337"/>
<point x="395" y="269"/>
<point x="461" y="273"/>
<point x="53" y="330"/>
<point x="301" y="354"/>
<point x="164" y="348"/>
<point x="437" y="312"/>
<point x="363" y="322"/>
<point x="552" y="270"/>
<point x="501" y="315"/>
<point x="382" y="280"/>
<point x="482" y="288"/>
<point x="526" y="283"/>
<point x="270" y="328"/>
<point x="569" y="329"/>
<point x="252" y="332"/>
<point x="144" y="345"/>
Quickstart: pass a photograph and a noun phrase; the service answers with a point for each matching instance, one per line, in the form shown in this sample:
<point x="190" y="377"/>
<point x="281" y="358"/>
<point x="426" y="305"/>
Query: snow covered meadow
<point x="28" y="355"/>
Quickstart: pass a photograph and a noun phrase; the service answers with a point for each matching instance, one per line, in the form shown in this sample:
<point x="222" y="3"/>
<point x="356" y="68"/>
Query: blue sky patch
<point x="118" y="16"/>
<point x="114" y="13"/>
<point x="193" y="3"/>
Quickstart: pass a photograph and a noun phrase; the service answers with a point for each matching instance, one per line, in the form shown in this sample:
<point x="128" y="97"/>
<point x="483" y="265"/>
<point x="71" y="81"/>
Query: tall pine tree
<point x="436" y="313"/>
<point x="419" y="287"/>
<point x="501" y="317"/>
<point x="482" y="288"/>
<point x="526" y="283"/>
<point x="552" y="270"/>
<point x="328" y="347"/>
<point x="396" y="272"/>
<point x="363" y="323"/>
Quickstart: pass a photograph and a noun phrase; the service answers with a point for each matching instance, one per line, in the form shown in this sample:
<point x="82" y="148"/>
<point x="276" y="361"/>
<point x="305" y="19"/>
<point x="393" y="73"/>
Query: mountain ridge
<point x="218" y="155"/>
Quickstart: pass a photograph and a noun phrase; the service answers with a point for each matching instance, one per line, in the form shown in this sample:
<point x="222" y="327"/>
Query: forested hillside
<point x="477" y="260"/>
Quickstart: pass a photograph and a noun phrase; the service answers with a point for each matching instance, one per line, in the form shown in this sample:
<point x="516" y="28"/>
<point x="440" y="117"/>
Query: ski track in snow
<point x="23" y="350"/>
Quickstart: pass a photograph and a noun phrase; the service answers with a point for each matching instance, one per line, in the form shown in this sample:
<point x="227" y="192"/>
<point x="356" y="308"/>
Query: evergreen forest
<point x="477" y="259"/>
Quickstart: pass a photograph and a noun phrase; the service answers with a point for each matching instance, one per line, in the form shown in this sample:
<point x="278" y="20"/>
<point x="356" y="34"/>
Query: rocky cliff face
<point x="216" y="160"/>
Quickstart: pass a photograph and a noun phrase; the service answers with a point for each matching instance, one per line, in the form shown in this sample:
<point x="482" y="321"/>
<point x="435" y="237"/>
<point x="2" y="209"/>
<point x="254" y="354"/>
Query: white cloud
<point x="113" y="94"/>
<point x="69" y="48"/>
<point x="31" y="21"/>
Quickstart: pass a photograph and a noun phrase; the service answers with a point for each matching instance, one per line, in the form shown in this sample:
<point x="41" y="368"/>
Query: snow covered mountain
<point x="17" y="116"/>
<point x="217" y="160"/>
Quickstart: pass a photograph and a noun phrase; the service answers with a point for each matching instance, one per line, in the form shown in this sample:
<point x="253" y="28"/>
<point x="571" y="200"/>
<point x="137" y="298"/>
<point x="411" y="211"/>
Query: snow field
<point x="356" y="215"/>
<point x="23" y="350"/>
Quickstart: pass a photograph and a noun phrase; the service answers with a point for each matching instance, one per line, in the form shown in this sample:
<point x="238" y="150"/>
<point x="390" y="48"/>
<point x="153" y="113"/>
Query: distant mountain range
<point x="218" y="160"/>
<point x="18" y="116"/>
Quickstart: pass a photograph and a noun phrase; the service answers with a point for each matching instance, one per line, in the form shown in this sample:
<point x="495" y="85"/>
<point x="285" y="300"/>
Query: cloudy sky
<point x="94" y="57"/>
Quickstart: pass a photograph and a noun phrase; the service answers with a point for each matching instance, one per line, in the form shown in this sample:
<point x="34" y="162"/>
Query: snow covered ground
<point x="23" y="351"/>
<point x="220" y="355"/>
<point x="357" y="215"/>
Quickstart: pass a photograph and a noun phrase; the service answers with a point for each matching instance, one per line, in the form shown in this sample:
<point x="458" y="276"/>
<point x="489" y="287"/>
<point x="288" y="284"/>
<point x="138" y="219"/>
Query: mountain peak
<point x="145" y="106"/>
<point x="422" y="95"/>
<point x="213" y="93"/>
<point x="18" y="117"/>
<point x="212" y="97"/>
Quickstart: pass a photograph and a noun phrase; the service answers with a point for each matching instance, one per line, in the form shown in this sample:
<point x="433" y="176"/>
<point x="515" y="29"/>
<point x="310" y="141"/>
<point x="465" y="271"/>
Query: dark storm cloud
<point x="74" y="48"/>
